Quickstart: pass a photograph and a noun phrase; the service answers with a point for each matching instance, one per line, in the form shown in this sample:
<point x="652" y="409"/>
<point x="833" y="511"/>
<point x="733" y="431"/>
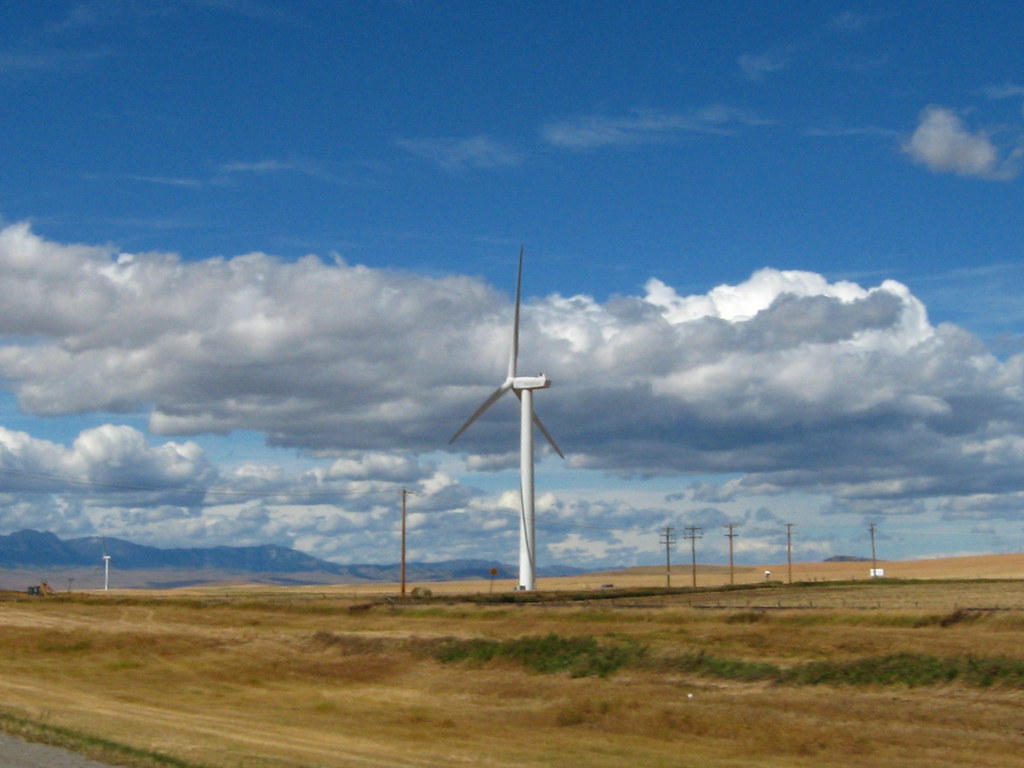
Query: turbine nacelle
<point x="520" y="383"/>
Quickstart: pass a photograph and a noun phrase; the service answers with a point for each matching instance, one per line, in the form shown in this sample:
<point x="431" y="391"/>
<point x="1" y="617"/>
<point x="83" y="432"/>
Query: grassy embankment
<point x="880" y="674"/>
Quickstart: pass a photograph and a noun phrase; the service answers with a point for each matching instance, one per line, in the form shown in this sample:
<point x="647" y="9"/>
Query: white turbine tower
<point x="106" y="567"/>
<point x="523" y="387"/>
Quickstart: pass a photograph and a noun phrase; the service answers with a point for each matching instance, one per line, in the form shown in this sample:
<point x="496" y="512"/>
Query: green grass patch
<point x="745" y="617"/>
<point x="898" y="669"/>
<point x="908" y="669"/>
<point x="702" y="663"/>
<point x="577" y="656"/>
<point x="587" y="657"/>
<point x="912" y="670"/>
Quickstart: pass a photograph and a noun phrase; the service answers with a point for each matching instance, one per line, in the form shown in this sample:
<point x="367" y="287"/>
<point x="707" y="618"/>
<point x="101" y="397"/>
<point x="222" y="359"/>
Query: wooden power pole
<point x="789" y="550"/>
<point x="731" y="536"/>
<point x="405" y="494"/>
<point x="693" y="533"/>
<point x="668" y="538"/>
<point x="874" y="562"/>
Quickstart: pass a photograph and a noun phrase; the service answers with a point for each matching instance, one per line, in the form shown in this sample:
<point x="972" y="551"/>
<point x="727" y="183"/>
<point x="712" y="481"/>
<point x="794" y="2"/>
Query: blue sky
<point x="259" y="258"/>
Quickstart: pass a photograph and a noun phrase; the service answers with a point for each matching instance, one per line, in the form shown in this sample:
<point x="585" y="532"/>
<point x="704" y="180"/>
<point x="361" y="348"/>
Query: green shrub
<point x="984" y="672"/>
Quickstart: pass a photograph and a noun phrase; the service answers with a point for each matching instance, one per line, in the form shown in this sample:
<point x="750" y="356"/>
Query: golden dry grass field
<point x="906" y="672"/>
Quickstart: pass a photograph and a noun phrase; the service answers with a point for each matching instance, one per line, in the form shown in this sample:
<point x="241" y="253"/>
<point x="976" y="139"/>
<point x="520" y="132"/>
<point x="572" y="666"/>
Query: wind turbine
<point x="106" y="566"/>
<point x="523" y="387"/>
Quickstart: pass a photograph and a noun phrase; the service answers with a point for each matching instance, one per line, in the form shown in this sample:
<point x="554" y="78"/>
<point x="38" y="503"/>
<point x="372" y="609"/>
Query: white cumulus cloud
<point x="942" y="143"/>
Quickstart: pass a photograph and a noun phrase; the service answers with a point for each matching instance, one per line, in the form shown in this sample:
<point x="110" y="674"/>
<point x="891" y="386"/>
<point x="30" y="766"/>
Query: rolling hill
<point x="36" y="555"/>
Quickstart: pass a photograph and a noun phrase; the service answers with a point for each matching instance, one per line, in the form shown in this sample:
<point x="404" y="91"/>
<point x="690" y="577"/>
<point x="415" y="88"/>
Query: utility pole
<point x="874" y="562"/>
<point x="693" y="533"/>
<point x="668" y="538"/>
<point x="789" y="550"/>
<point x="730" y="535"/>
<point x="405" y="494"/>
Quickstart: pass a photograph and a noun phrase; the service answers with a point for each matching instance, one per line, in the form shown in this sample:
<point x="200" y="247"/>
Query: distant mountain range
<point x="30" y="550"/>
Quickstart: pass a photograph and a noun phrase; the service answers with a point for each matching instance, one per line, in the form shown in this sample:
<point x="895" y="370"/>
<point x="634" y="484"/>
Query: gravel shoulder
<point x="15" y="753"/>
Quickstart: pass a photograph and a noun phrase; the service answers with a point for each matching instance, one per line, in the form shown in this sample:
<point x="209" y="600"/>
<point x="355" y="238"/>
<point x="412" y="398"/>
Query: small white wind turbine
<point x="106" y="566"/>
<point x="523" y="387"/>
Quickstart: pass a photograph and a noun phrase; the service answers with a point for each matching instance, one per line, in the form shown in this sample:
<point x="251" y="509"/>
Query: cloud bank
<point x="784" y="383"/>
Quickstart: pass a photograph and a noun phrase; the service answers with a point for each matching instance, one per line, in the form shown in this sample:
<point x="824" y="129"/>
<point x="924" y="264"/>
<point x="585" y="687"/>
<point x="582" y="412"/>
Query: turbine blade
<point x="543" y="429"/>
<point x="550" y="439"/>
<point x="479" y="411"/>
<point x="531" y="548"/>
<point x="514" y="353"/>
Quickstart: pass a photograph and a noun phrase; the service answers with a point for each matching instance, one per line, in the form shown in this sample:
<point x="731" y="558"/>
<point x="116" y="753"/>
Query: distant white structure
<point x="877" y="573"/>
<point x="523" y="387"/>
<point x="106" y="567"/>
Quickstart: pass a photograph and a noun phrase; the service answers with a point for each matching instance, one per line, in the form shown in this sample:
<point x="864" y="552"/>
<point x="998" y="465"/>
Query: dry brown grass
<point x="958" y="568"/>
<point x="288" y="678"/>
